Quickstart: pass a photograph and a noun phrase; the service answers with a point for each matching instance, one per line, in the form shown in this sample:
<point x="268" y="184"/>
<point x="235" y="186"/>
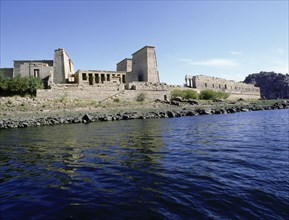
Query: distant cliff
<point x="272" y="85"/>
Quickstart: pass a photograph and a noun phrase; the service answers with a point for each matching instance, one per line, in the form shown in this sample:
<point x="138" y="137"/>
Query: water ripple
<point x="202" y="167"/>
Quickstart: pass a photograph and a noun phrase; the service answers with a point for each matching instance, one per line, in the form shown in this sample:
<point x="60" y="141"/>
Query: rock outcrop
<point x="272" y="85"/>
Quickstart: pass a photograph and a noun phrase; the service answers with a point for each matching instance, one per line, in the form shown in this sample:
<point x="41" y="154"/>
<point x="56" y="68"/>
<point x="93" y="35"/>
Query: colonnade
<point x="101" y="77"/>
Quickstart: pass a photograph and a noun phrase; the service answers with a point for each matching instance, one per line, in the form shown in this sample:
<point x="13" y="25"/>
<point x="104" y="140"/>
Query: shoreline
<point x="73" y="115"/>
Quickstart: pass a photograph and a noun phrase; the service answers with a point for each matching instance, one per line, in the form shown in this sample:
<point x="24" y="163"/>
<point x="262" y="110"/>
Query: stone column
<point x="93" y="79"/>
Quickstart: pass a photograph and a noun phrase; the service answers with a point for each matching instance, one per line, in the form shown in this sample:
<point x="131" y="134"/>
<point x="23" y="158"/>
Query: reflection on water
<point x="215" y="166"/>
<point x="66" y="149"/>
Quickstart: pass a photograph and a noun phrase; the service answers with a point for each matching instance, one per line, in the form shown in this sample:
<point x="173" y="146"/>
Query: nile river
<point x="233" y="166"/>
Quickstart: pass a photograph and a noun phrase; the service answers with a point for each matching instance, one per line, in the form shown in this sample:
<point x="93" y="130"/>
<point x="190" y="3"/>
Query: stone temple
<point x="134" y="76"/>
<point x="235" y="89"/>
<point x="59" y="70"/>
<point x="141" y="68"/>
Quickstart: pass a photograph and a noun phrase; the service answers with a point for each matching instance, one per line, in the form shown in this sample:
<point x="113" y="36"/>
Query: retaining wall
<point x="104" y="93"/>
<point x="93" y="93"/>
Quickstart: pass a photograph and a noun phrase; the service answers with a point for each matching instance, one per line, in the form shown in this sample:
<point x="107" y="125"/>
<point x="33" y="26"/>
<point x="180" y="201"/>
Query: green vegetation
<point x="266" y="102"/>
<point x="63" y="98"/>
<point x="19" y="85"/>
<point x="177" y="93"/>
<point x="69" y="102"/>
<point x="117" y="100"/>
<point x="184" y="94"/>
<point x="211" y="95"/>
<point x="204" y="95"/>
<point x="141" y="97"/>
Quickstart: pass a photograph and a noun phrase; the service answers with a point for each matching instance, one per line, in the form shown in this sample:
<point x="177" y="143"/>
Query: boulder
<point x="193" y="102"/>
<point x="177" y="99"/>
<point x="175" y="103"/>
<point x="170" y="114"/>
<point x="87" y="118"/>
<point x="204" y="111"/>
<point x="218" y="100"/>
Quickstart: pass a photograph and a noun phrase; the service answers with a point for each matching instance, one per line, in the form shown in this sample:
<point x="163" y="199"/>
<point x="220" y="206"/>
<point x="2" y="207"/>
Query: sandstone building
<point x="235" y="89"/>
<point x="133" y="77"/>
<point x="141" y="68"/>
<point x="59" y="70"/>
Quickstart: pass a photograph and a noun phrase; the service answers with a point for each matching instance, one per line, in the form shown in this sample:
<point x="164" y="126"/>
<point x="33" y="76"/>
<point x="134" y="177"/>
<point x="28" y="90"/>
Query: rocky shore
<point x="147" y="111"/>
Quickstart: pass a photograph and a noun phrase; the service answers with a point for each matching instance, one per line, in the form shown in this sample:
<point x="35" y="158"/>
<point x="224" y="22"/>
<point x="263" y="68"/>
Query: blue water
<point x="233" y="166"/>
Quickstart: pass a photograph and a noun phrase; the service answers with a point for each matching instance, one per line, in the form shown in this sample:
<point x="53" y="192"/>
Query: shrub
<point x="63" y="98"/>
<point x="3" y="83"/>
<point x="190" y="94"/>
<point x="177" y="93"/>
<point x="211" y="95"/>
<point x="116" y="100"/>
<point x="34" y="84"/>
<point x="19" y="85"/>
<point x="141" y="97"/>
<point x="184" y="94"/>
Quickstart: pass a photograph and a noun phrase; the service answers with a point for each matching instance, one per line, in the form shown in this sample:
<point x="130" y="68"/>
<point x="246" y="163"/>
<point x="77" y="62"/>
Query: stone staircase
<point x="112" y="97"/>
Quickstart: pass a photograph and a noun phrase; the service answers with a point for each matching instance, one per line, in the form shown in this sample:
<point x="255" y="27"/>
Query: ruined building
<point x="59" y="70"/>
<point x="141" y="68"/>
<point x="235" y="89"/>
<point x="133" y="77"/>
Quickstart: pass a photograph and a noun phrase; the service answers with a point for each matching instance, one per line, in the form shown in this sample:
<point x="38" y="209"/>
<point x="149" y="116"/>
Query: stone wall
<point x="36" y="68"/>
<point x="131" y="77"/>
<point x="144" y="66"/>
<point x="40" y="70"/>
<point x="78" y="92"/>
<point x="124" y="65"/>
<point x="149" y="86"/>
<point x="68" y="68"/>
<point x="234" y="96"/>
<point x="235" y="89"/>
<point x="7" y="72"/>
<point x="153" y="74"/>
<point x="132" y="95"/>
<point x="100" y="92"/>
<point x="63" y="67"/>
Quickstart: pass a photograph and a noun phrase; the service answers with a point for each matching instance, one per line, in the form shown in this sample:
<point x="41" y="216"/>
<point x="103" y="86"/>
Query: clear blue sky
<point x="227" y="39"/>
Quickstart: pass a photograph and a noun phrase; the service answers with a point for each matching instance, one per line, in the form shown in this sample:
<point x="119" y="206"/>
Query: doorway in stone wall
<point x="90" y="79"/>
<point x="140" y="77"/>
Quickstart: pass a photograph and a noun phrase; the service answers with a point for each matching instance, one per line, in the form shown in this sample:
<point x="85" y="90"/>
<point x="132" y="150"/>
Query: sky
<point x="225" y="39"/>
